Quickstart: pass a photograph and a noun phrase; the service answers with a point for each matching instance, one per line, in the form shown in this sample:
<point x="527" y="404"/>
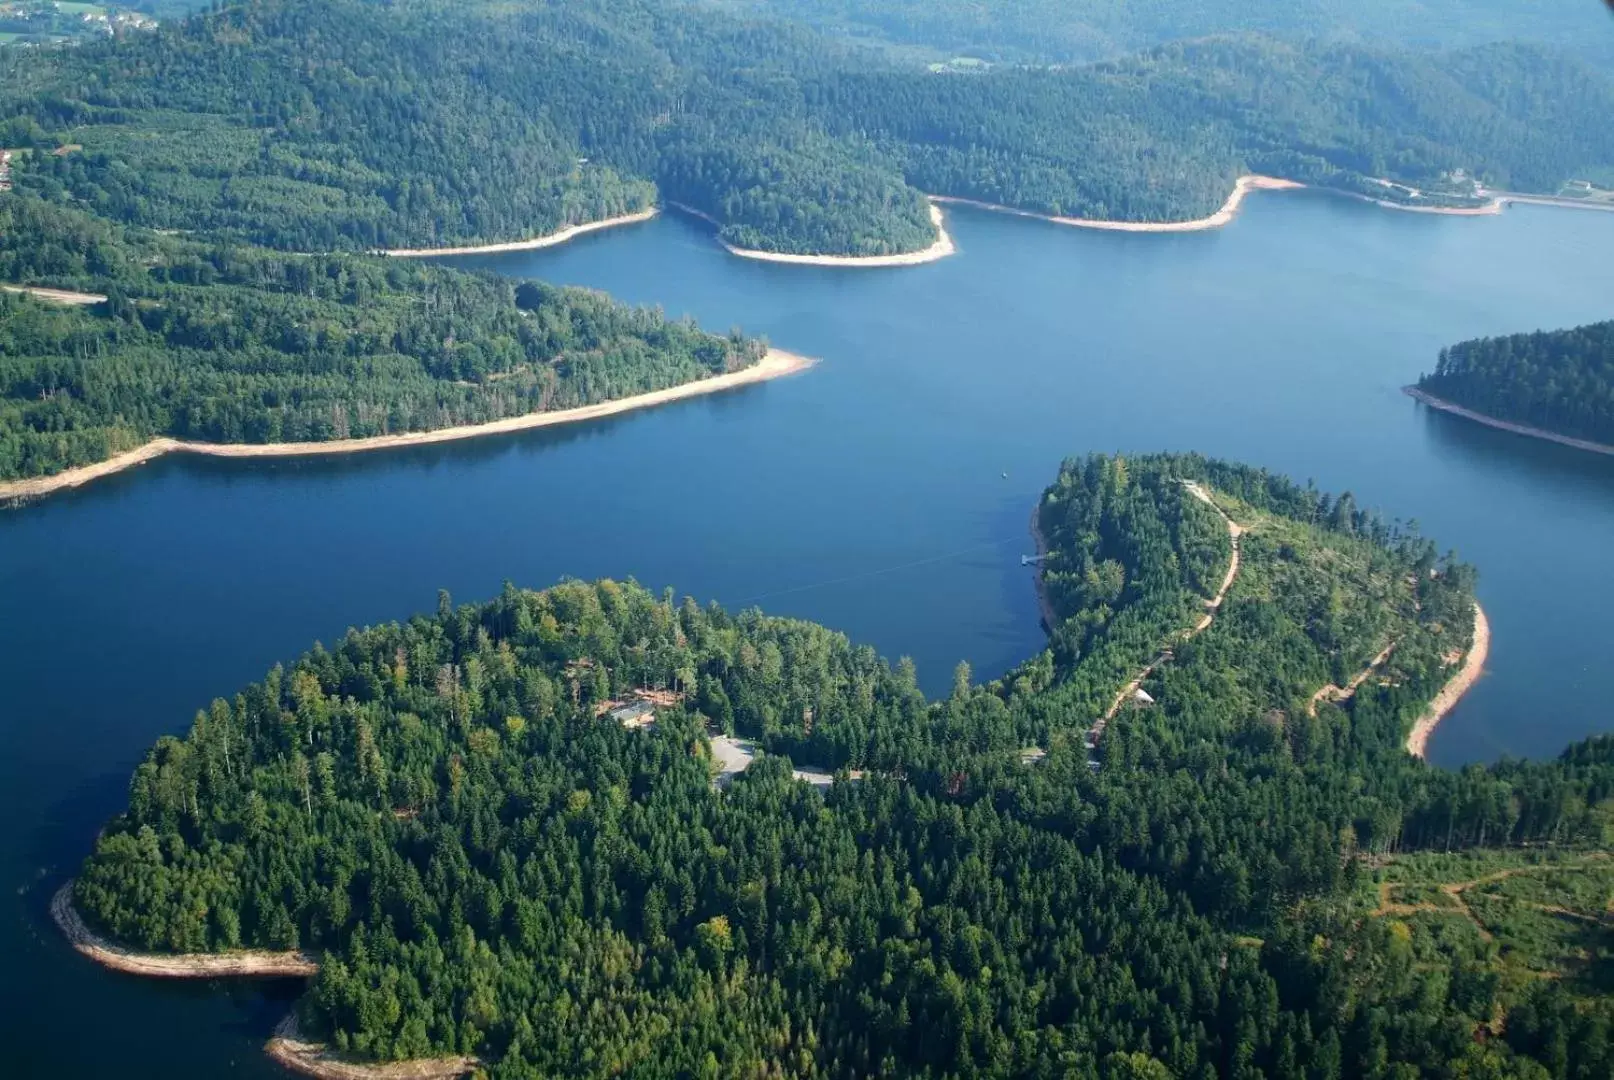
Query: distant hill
<point x="347" y="124"/>
<point x="1064" y="31"/>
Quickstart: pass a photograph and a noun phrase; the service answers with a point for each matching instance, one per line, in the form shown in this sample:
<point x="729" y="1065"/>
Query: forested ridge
<point x="1066" y="31"/>
<point x="353" y="124"/>
<point x="224" y="342"/>
<point x="1558" y="380"/>
<point x="489" y="864"/>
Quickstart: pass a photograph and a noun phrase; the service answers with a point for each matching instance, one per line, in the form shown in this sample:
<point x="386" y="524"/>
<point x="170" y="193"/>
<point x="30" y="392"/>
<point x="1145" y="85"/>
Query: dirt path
<point x="1235" y="532"/>
<point x="244" y="962"/>
<point x="1229" y="209"/>
<point x="60" y="296"/>
<point x="571" y="232"/>
<point x="1505" y="425"/>
<point x="775" y="364"/>
<point x="1455" y="890"/>
<point x="288" y="1047"/>
<point x="1344" y="693"/>
<point x="1459" y="684"/>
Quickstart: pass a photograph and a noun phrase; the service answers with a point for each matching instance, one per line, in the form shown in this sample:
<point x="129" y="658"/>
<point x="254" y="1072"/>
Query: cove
<point x="868" y="494"/>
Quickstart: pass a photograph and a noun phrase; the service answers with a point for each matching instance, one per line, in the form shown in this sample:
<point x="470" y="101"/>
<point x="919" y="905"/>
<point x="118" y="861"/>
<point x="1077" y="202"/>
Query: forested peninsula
<point x="1556" y="385"/>
<point x="327" y="125"/>
<point x="497" y="827"/>
<point x="238" y="350"/>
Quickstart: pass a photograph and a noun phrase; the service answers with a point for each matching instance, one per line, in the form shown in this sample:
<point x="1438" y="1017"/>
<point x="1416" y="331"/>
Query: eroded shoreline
<point x="1229" y="210"/>
<point x="570" y="232"/>
<point x="253" y="963"/>
<point x="288" y="1047"/>
<point x="1504" y="425"/>
<point x="942" y="248"/>
<point x="776" y="363"/>
<point x="1458" y="685"/>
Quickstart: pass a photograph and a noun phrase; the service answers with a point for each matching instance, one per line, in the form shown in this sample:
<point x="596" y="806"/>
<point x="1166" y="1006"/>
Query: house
<point x="5" y="170"/>
<point x="1141" y="696"/>
<point x="634" y="715"/>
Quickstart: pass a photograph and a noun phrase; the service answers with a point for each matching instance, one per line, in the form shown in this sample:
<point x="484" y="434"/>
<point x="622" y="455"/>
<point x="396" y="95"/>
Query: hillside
<point x="1560" y="381"/>
<point x="359" y="125"/>
<point x="1066" y="31"/>
<point x="488" y="863"/>
<point x="222" y="343"/>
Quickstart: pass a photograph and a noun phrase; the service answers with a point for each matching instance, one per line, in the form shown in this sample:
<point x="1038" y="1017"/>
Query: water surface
<point x="885" y="493"/>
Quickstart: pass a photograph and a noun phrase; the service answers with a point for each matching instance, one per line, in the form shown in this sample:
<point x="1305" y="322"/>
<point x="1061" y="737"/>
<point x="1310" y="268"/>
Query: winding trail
<point x="773" y="365"/>
<point x="1235" y="533"/>
<point x="1345" y="693"/>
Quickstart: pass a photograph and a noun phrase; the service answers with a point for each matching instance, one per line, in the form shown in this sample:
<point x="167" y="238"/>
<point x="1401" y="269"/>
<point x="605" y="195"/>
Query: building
<point x="634" y="715"/>
<point x="5" y="170"/>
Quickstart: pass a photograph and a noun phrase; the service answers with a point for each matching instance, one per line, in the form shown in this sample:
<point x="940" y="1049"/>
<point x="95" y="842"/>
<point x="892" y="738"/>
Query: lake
<point x="885" y="493"/>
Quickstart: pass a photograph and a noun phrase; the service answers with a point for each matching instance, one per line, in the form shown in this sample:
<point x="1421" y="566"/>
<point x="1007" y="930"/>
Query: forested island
<point x="322" y="125"/>
<point x="496" y="827"/>
<point x="225" y="343"/>
<point x="1556" y="385"/>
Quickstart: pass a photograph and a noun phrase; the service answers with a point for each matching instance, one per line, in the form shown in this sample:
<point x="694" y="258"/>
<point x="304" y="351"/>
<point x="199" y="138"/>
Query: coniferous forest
<point x="319" y="125"/>
<point x="1558" y="380"/>
<point x="1227" y="885"/>
<point x="223" y="342"/>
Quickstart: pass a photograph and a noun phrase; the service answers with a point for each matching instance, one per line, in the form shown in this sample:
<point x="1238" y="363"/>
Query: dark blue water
<point x="868" y="494"/>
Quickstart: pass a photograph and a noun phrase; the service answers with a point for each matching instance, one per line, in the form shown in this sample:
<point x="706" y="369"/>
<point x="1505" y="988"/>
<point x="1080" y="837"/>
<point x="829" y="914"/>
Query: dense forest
<point x="351" y="124"/>
<point x="489" y="864"/>
<point x="1559" y="380"/>
<point x="231" y="343"/>
<point x="1066" y="31"/>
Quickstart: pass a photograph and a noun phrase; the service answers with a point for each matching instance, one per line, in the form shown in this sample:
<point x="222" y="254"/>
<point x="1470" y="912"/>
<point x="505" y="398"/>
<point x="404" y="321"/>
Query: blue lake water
<point x="869" y="494"/>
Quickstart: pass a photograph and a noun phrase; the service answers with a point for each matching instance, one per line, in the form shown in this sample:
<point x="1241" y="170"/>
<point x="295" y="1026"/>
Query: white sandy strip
<point x="1505" y="425"/>
<point x="942" y="248"/>
<point x="290" y="1049"/>
<point x="775" y="364"/>
<point x="173" y="965"/>
<point x="571" y="232"/>
<point x="1455" y="688"/>
<point x="1229" y="210"/>
<point x="60" y="296"/>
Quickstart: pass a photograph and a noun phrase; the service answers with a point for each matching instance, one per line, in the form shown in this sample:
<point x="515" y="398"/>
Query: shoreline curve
<point x="289" y="1049"/>
<point x="941" y="249"/>
<point x="775" y="363"/>
<point x="1229" y="210"/>
<point x="1441" y="404"/>
<point x="1459" y="684"/>
<point x="561" y="236"/>
<point x="255" y="963"/>
<point x="1044" y="605"/>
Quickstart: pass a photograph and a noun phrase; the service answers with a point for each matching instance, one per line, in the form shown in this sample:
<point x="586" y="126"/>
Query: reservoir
<point x="884" y="493"/>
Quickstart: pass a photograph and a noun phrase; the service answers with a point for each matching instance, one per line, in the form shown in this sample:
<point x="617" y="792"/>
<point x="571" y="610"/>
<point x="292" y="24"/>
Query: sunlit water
<point x="884" y="493"/>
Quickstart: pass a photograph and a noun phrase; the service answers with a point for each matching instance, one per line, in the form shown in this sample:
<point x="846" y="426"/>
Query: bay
<point x="885" y="493"/>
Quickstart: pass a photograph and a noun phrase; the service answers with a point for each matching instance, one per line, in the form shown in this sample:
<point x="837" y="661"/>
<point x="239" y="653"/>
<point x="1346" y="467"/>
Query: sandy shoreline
<point x="288" y="1047"/>
<point x="942" y="248"/>
<point x="244" y="962"/>
<point x="1504" y="425"/>
<point x="1458" y="685"/>
<point x="571" y="232"/>
<point x="775" y="364"/>
<point x="1241" y="188"/>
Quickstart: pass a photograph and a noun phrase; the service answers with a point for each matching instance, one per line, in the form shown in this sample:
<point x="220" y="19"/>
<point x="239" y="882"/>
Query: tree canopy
<point x="489" y="863"/>
<point x="319" y="125"/>
<point x="1558" y="380"/>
